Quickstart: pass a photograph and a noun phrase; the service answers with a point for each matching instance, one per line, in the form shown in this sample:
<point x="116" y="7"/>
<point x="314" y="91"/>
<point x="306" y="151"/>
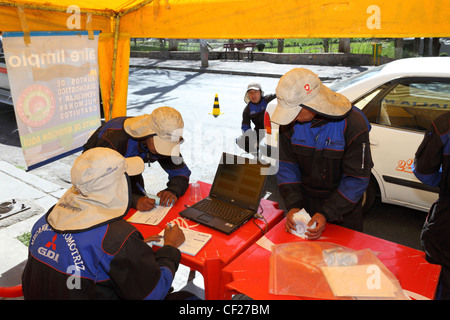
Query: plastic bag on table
<point x="314" y="270"/>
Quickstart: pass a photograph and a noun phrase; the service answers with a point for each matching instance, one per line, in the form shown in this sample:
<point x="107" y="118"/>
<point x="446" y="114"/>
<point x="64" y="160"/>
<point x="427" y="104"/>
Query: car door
<point x="400" y="112"/>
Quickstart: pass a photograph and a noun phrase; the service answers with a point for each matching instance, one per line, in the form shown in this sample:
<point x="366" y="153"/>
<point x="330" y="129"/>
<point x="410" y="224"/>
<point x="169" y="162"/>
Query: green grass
<point x="25" y="238"/>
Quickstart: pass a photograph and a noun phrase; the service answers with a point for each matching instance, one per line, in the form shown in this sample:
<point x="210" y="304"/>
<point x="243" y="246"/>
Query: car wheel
<point x="370" y="195"/>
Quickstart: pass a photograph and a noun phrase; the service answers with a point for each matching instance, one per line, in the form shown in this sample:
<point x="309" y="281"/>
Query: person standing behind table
<point x="432" y="167"/>
<point x="153" y="137"/>
<point x="82" y="248"/>
<point x="324" y="153"/>
<point x="253" y="112"/>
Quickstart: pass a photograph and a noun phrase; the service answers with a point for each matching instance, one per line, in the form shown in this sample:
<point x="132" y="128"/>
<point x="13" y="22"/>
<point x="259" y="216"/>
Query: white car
<point x="5" y="91"/>
<point x="400" y="99"/>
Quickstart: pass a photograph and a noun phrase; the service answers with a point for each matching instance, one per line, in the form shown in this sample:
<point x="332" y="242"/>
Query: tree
<point x="435" y="47"/>
<point x="344" y="45"/>
<point x="398" y="48"/>
<point x="173" y="44"/>
<point x="326" y="45"/>
<point x="204" y="53"/>
<point x="280" y="46"/>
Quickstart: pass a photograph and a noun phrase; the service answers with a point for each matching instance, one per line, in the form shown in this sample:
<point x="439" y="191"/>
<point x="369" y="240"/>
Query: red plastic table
<point x="249" y="273"/>
<point x="221" y="249"/>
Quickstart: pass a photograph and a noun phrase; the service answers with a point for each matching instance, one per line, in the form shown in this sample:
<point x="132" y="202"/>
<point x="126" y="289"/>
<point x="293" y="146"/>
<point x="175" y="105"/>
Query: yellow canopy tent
<point x="118" y="20"/>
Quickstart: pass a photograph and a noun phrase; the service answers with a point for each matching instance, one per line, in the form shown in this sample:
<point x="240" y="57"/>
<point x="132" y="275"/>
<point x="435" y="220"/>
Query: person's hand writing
<point x="145" y="204"/>
<point x="173" y="236"/>
<point x="316" y="233"/>
<point x="166" y="198"/>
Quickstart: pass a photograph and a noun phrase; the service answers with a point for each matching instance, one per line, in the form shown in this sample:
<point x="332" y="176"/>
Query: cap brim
<point x="166" y="148"/>
<point x="329" y="103"/>
<point x="284" y="114"/>
<point x="135" y="166"/>
<point x="137" y="127"/>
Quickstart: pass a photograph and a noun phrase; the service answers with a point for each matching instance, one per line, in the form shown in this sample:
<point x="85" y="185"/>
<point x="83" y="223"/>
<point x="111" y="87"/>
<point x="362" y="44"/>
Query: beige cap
<point x="164" y="123"/>
<point x="100" y="191"/>
<point x="303" y="87"/>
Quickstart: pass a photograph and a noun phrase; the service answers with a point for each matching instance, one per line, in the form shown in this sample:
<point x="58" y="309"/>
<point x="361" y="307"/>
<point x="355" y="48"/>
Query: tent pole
<point x="114" y="64"/>
<point x="114" y="61"/>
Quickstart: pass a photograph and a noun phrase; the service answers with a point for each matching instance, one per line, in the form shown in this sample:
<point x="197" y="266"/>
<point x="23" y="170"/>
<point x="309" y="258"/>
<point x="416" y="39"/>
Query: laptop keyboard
<point x="229" y="213"/>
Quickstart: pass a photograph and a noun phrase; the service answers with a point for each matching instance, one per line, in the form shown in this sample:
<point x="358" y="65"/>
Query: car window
<point x="411" y="104"/>
<point x="356" y="78"/>
<point x="361" y="103"/>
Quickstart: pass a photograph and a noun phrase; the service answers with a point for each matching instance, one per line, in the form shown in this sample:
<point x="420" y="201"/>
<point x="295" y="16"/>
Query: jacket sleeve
<point x="245" y="125"/>
<point x="356" y="169"/>
<point x="428" y="158"/>
<point x="179" y="174"/>
<point x="288" y="175"/>
<point x="139" y="273"/>
<point x="270" y="97"/>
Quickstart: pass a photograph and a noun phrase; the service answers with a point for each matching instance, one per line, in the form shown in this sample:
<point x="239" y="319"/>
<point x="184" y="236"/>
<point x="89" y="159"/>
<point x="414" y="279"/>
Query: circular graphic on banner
<point x="36" y="105"/>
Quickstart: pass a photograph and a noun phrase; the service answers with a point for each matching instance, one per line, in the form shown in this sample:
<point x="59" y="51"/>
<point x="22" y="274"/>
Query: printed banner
<point x="54" y="86"/>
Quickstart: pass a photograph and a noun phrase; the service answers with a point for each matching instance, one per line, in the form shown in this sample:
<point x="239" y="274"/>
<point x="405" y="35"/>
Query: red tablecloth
<point x="249" y="273"/>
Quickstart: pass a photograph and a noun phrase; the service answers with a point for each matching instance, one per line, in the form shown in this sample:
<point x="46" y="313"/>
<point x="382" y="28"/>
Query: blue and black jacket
<point x="432" y="161"/>
<point x="325" y="159"/>
<point x="255" y="113"/>
<point x="110" y="261"/>
<point x="432" y="167"/>
<point x="112" y="135"/>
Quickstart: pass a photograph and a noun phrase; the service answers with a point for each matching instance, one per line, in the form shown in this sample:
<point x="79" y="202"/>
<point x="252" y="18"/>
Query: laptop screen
<point x="239" y="180"/>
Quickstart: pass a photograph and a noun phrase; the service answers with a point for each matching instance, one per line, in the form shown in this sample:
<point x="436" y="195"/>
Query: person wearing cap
<point x="82" y="248"/>
<point x="324" y="153"/>
<point x="153" y="137"/>
<point x="253" y="112"/>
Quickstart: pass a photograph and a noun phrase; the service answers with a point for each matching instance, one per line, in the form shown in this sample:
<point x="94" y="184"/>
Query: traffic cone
<point x="216" y="108"/>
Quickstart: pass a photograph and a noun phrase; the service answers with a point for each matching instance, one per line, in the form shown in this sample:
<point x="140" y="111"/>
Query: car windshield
<point x="356" y="78"/>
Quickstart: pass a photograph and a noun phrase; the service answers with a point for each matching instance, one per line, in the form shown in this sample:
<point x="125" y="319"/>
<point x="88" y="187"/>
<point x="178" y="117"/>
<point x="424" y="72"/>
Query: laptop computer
<point x="234" y="196"/>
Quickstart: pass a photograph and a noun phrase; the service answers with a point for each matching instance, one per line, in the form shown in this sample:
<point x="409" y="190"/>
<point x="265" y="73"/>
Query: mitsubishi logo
<point x="52" y="243"/>
<point x="49" y="253"/>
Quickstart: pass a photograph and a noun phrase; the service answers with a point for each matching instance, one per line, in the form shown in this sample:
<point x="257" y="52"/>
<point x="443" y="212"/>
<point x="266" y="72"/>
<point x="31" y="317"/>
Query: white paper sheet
<point x="152" y="217"/>
<point x="194" y="241"/>
<point x="265" y="243"/>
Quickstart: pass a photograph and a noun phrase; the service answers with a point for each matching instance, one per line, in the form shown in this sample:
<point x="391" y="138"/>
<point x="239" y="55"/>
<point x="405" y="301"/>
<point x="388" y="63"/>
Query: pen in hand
<point x="142" y="189"/>
<point x="144" y="203"/>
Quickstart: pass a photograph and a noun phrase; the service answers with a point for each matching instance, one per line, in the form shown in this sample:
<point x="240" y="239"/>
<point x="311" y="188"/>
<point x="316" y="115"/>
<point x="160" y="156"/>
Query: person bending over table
<point x="324" y="153"/>
<point x="153" y="137"/>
